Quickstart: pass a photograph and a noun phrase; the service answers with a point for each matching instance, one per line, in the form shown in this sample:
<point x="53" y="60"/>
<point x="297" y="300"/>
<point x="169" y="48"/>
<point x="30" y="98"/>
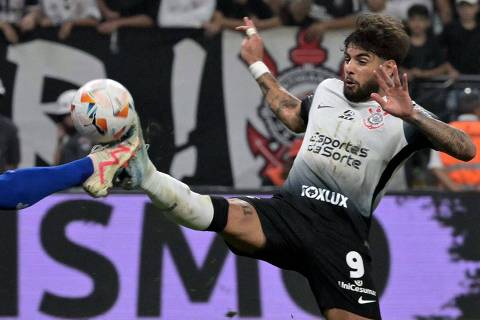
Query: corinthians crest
<point x="300" y="80"/>
<point x="375" y="119"/>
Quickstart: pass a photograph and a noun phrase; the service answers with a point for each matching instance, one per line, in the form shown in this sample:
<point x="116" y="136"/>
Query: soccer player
<point x="24" y="187"/>
<point x="357" y="133"/>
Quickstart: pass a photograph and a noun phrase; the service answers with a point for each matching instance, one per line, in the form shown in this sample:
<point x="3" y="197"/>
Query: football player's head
<point x="377" y="40"/>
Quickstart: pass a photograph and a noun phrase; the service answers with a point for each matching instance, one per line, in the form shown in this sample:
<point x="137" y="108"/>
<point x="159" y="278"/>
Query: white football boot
<point x="138" y="167"/>
<point x="108" y="160"/>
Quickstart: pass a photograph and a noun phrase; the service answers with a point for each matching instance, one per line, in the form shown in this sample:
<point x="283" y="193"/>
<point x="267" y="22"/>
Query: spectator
<point x="66" y="14"/>
<point x="185" y="13"/>
<point x="317" y="29"/>
<point x="70" y="144"/>
<point x="425" y="59"/>
<point x="462" y="38"/>
<point x="127" y="13"/>
<point x="454" y="175"/>
<point x="9" y="142"/>
<point x="399" y="8"/>
<point x="13" y="13"/>
<point x="306" y="12"/>
<point x="229" y="14"/>
<point x="444" y="11"/>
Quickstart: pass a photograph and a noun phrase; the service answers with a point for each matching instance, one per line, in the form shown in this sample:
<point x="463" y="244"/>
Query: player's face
<point x="359" y="81"/>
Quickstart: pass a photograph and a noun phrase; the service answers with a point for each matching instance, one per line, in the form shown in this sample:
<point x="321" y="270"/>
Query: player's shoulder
<point x="332" y="85"/>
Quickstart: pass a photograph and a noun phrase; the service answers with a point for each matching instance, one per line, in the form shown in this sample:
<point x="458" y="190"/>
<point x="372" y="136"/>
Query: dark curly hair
<point x="381" y="35"/>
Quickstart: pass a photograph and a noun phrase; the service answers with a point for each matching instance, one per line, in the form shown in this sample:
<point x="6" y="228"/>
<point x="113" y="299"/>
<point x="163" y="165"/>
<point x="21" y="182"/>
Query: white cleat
<point x="107" y="161"/>
<point x="138" y="167"/>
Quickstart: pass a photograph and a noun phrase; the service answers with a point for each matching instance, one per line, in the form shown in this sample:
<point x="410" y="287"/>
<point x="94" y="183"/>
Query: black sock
<point x="220" y="214"/>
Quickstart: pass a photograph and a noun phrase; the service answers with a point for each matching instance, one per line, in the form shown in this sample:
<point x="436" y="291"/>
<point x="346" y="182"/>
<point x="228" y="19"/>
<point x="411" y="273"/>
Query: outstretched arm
<point x="443" y="137"/>
<point x="285" y="106"/>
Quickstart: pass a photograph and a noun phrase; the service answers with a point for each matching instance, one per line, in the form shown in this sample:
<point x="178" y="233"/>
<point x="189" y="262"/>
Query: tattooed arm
<point x="444" y="137"/>
<point x="284" y="105"/>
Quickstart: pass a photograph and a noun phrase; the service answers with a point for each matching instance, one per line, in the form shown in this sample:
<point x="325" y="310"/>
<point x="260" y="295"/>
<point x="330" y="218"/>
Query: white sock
<point x="177" y="201"/>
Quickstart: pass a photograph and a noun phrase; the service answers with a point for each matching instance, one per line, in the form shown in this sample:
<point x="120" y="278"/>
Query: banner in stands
<point x="202" y="112"/>
<point x="73" y="257"/>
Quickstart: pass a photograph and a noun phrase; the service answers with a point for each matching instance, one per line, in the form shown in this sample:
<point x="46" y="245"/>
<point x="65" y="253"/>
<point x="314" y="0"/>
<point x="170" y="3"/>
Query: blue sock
<point x="24" y="187"/>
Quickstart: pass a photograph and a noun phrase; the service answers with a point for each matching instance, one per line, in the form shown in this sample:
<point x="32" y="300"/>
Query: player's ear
<point x="389" y="66"/>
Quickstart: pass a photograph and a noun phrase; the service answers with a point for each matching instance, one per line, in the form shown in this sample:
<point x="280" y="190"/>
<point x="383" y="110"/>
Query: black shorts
<point x="319" y="241"/>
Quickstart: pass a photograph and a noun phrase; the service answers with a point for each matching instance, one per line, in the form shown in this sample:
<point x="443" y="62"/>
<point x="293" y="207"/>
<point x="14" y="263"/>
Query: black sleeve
<point x="13" y="151"/>
<point x="305" y="107"/>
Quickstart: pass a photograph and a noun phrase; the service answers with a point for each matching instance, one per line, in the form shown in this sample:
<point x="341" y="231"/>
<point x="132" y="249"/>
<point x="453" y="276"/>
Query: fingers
<point x="248" y="27"/>
<point x="247" y="24"/>
<point x="396" y="79"/>
<point x="383" y="74"/>
<point x="381" y="82"/>
<point x="405" y="82"/>
<point x="376" y="97"/>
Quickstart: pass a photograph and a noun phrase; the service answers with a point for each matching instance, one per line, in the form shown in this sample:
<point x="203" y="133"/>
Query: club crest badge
<point x="375" y="119"/>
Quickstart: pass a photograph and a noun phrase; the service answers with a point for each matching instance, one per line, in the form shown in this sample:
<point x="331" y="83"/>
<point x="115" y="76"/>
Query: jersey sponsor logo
<point x="321" y="107"/>
<point x="324" y="195"/>
<point x="358" y="282"/>
<point x="354" y="288"/>
<point x="341" y="151"/>
<point x="347" y="115"/>
<point x="362" y="301"/>
<point x="376" y="118"/>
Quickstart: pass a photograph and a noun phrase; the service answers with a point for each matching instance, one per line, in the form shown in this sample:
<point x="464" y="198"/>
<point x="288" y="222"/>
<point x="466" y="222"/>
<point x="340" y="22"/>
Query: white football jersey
<point x="350" y="150"/>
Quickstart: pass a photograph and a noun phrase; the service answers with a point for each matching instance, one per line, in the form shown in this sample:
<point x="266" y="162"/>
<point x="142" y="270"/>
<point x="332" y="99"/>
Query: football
<point x="103" y="110"/>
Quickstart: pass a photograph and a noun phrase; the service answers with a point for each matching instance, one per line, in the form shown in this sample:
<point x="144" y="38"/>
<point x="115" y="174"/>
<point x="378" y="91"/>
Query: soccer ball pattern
<point x="103" y="110"/>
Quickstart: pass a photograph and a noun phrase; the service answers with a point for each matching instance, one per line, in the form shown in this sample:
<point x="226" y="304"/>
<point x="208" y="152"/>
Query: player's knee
<point x="232" y="215"/>
<point x="242" y="218"/>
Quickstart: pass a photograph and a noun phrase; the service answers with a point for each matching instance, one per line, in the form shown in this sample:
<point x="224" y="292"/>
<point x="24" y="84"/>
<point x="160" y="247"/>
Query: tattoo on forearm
<point x="446" y="138"/>
<point x="280" y="100"/>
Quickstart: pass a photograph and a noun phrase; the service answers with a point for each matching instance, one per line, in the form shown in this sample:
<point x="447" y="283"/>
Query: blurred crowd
<point x="445" y="42"/>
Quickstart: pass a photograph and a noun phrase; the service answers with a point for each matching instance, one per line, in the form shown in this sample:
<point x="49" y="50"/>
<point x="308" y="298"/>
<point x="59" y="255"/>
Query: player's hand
<point x="252" y="45"/>
<point x="399" y="103"/>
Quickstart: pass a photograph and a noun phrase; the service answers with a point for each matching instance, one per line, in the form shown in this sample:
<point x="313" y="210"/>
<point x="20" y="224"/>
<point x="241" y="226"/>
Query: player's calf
<point x="236" y="220"/>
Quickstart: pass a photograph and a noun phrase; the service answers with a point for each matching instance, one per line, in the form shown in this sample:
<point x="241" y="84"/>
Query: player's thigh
<point x="243" y="231"/>
<point x="339" y="314"/>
